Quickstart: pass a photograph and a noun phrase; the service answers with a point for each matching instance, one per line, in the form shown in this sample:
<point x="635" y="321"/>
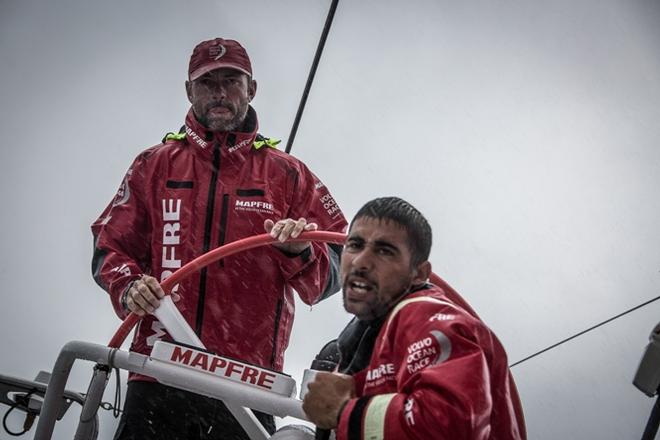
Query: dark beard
<point x="232" y="125"/>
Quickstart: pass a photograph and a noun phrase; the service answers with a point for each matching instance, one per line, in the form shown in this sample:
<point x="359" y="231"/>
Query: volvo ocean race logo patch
<point x="124" y="192"/>
<point x="432" y="350"/>
<point x="330" y="206"/>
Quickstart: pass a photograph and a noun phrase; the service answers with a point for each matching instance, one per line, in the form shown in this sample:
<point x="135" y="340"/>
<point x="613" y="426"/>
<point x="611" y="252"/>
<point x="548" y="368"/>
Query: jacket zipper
<point x="223" y="224"/>
<point x="278" y="313"/>
<point x="210" y="205"/>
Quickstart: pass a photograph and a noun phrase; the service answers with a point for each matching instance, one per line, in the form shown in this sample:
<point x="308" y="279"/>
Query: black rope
<point x="117" y="404"/>
<point x="584" y="331"/>
<point x="312" y="72"/>
<point x="29" y="418"/>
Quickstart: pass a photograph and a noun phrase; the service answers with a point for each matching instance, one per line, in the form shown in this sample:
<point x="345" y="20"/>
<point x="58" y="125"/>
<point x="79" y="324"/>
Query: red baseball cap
<point x="214" y="54"/>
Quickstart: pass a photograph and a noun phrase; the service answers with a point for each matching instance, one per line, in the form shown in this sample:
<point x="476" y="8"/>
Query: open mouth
<point x="358" y="289"/>
<point x="360" y="286"/>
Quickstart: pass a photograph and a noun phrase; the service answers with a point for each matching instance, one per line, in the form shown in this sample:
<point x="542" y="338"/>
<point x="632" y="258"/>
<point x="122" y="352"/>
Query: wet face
<point x="376" y="267"/>
<point x="220" y="98"/>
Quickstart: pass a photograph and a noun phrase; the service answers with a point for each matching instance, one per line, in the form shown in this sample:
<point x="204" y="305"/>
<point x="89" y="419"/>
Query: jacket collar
<point x="356" y="342"/>
<point x="230" y="142"/>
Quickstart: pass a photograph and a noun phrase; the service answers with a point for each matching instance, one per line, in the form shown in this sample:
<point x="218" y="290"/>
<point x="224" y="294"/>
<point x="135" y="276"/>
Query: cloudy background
<point x="527" y="132"/>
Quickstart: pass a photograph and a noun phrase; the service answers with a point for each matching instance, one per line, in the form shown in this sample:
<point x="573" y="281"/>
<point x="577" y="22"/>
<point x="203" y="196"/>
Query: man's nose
<point x="219" y="92"/>
<point x="363" y="260"/>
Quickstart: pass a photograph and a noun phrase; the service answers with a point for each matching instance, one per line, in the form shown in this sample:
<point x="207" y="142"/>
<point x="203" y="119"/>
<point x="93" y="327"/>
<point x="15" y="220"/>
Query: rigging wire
<point x="312" y="72"/>
<point x="584" y="331"/>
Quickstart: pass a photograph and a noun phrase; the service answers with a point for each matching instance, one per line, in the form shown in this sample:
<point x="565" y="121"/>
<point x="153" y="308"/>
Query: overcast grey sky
<point x="527" y="132"/>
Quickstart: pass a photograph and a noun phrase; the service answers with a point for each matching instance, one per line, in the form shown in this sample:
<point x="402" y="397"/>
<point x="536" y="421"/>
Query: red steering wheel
<point x="213" y="256"/>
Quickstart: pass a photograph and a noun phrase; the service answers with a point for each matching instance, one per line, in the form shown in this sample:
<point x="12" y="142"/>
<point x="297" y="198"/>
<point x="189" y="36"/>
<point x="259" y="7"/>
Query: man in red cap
<point x="215" y="181"/>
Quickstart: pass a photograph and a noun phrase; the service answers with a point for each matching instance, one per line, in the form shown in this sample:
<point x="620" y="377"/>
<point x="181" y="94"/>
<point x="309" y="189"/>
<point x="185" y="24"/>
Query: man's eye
<point x="385" y="251"/>
<point x="351" y="245"/>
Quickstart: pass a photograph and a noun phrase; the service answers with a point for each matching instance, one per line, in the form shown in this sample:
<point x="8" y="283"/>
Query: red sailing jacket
<point x="435" y="372"/>
<point x="194" y="193"/>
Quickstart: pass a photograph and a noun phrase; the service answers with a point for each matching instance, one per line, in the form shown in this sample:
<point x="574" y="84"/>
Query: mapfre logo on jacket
<point x="254" y="206"/>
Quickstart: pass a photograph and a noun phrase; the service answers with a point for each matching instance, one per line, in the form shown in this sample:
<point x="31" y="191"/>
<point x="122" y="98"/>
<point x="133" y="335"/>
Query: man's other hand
<point x="283" y="230"/>
<point x="145" y="294"/>
<point x="326" y="396"/>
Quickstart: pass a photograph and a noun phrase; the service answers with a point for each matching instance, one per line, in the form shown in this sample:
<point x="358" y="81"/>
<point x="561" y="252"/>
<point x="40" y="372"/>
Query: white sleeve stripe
<point x="374" y="420"/>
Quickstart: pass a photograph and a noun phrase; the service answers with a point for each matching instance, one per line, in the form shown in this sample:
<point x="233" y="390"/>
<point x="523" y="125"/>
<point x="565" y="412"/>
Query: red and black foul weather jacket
<point x="194" y="192"/>
<point x="431" y="369"/>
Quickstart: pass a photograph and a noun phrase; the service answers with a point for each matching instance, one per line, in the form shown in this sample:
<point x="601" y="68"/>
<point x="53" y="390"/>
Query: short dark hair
<point x="399" y="211"/>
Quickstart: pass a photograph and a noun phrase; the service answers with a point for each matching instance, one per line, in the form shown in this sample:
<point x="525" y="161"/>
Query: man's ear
<point x="252" y="88"/>
<point x="189" y="90"/>
<point x="422" y="273"/>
